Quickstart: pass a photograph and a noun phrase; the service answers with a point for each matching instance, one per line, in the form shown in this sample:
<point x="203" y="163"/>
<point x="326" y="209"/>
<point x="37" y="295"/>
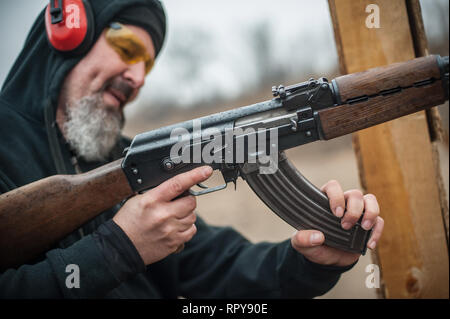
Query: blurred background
<point x="222" y="55"/>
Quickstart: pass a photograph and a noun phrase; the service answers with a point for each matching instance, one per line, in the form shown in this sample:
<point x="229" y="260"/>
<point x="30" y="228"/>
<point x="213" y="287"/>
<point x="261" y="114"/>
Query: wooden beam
<point x="438" y="135"/>
<point x="396" y="158"/>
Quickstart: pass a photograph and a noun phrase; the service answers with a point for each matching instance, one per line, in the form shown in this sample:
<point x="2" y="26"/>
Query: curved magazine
<point x="303" y="206"/>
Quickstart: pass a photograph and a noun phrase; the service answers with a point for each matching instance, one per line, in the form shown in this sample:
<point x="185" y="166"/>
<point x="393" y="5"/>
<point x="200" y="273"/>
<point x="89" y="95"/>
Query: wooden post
<point x="396" y="158"/>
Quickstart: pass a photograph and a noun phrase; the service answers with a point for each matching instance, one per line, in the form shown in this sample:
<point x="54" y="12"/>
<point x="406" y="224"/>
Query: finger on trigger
<point x="180" y="183"/>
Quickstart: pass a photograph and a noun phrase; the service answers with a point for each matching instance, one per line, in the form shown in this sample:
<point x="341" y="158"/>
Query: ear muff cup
<point x="75" y="33"/>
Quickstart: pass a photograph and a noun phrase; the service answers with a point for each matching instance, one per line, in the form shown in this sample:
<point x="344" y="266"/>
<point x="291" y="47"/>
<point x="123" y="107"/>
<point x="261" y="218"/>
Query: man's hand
<point x="155" y="222"/>
<point x="349" y="206"/>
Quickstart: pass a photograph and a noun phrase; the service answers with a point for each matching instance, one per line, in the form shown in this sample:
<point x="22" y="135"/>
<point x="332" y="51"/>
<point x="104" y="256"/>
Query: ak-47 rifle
<point x="37" y="215"/>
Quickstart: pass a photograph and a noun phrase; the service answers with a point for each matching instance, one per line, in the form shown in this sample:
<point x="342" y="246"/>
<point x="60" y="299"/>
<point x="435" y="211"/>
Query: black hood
<point x="37" y="75"/>
<point x="29" y="96"/>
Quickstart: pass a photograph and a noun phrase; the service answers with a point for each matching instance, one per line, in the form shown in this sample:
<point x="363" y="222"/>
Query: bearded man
<point x="63" y="114"/>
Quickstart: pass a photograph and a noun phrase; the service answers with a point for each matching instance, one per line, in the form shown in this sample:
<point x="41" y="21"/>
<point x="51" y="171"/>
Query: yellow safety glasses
<point x="128" y="45"/>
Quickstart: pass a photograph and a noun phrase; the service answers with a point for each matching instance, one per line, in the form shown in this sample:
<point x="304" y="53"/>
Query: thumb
<point x="304" y="239"/>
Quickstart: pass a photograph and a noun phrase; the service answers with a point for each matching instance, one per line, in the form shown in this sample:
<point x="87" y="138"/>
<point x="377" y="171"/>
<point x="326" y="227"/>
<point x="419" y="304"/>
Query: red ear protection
<point x="69" y="25"/>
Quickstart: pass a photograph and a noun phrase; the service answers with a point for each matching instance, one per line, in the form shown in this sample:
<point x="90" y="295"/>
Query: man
<point x="63" y="114"/>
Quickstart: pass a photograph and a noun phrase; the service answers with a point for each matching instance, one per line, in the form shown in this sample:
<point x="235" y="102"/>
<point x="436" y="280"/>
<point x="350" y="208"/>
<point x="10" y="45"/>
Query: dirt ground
<point x="319" y="162"/>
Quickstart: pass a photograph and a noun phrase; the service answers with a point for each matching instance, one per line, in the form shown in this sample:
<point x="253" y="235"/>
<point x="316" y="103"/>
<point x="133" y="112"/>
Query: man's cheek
<point x="99" y="78"/>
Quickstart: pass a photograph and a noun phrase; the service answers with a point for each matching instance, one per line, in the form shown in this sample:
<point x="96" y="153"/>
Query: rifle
<point x="37" y="215"/>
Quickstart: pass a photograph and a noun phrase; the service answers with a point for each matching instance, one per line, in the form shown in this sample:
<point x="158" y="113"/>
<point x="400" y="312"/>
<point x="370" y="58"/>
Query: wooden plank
<point x="438" y="135"/>
<point x="396" y="158"/>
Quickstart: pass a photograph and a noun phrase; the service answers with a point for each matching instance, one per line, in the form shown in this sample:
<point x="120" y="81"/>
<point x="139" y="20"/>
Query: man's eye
<point x="126" y="52"/>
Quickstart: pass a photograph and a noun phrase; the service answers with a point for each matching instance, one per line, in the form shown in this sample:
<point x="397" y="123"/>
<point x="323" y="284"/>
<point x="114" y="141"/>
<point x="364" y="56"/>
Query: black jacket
<point x="216" y="263"/>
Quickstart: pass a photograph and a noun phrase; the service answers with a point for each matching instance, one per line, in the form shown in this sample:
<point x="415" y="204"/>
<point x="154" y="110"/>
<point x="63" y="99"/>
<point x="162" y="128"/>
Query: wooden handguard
<point x="381" y="94"/>
<point x="29" y="221"/>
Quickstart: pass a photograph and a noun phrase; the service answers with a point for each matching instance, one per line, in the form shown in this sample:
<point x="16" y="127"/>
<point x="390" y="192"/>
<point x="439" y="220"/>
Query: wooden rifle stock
<point x="34" y="217"/>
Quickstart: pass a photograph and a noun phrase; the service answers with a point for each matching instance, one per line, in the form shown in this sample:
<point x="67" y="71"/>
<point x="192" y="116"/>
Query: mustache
<point x="120" y="86"/>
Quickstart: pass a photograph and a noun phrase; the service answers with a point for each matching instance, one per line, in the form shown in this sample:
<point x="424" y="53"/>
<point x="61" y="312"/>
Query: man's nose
<point x="135" y="74"/>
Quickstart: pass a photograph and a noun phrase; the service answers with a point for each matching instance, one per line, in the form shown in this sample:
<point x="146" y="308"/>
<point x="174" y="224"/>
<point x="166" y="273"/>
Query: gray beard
<point x="92" y="129"/>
